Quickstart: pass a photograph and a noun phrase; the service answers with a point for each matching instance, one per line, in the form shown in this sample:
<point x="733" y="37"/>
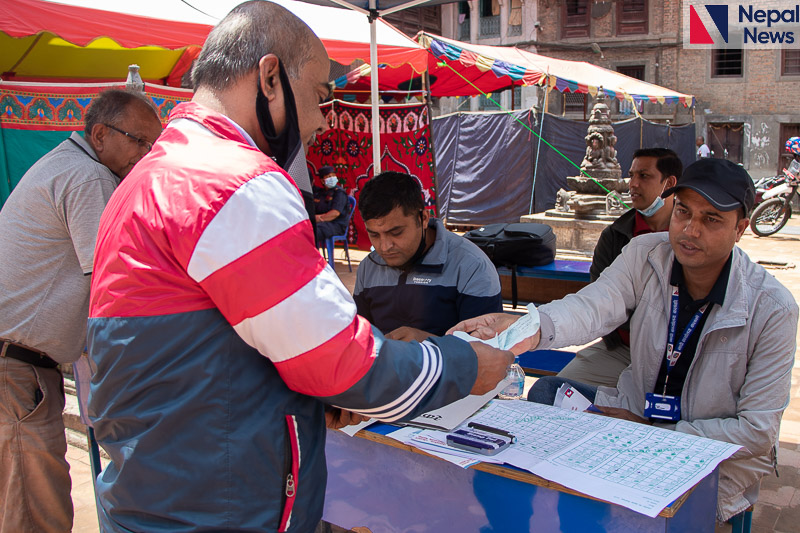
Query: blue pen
<point x="593" y="409"/>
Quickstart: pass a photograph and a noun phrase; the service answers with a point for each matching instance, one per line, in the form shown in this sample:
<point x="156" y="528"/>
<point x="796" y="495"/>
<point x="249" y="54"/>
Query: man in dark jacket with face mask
<point x="653" y="170"/>
<point x="331" y="206"/>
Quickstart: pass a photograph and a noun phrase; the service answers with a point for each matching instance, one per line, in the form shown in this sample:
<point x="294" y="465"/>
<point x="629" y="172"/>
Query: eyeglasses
<point x="141" y="142"/>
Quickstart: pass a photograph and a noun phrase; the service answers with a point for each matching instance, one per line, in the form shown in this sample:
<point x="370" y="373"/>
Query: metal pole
<point x="538" y="147"/>
<point x="373" y="61"/>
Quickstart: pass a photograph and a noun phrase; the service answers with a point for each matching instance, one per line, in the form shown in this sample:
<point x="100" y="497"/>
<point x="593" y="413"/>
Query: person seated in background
<point x="713" y="334"/>
<point x="652" y="171"/>
<point x="330" y="205"/>
<point x="420" y="279"/>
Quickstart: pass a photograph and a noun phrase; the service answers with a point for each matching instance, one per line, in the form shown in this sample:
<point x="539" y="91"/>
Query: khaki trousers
<point x="597" y="365"/>
<point x="35" y="485"/>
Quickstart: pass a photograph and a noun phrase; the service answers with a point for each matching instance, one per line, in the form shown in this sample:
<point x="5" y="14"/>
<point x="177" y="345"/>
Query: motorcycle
<point x="772" y="214"/>
<point x="763" y="185"/>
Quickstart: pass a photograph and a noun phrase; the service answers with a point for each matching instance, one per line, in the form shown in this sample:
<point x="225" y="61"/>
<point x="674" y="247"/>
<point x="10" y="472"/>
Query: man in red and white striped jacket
<point x="211" y="387"/>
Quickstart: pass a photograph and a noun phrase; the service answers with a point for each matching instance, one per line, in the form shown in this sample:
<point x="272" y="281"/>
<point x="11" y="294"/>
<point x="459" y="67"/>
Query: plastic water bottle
<point x="515" y="377"/>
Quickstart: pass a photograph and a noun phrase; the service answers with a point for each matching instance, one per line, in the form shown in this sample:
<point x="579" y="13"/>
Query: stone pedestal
<point x="573" y="235"/>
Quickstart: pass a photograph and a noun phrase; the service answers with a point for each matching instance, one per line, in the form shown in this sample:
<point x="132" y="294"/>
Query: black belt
<point x="26" y="355"/>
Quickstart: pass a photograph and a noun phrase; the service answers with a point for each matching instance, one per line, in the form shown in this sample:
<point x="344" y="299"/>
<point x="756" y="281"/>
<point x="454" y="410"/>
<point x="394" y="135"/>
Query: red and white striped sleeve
<point x="257" y="261"/>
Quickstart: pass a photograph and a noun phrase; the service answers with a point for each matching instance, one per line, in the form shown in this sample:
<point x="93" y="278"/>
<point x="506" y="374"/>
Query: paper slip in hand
<point x="355" y="428"/>
<point x="569" y="398"/>
<point x="526" y="326"/>
<point x="464" y="336"/>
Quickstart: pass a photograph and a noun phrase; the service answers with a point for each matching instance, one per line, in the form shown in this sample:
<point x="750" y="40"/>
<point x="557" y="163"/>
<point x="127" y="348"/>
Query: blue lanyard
<point x="674" y="351"/>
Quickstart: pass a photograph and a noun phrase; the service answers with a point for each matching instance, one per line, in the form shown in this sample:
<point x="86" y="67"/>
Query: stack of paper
<point x="637" y="466"/>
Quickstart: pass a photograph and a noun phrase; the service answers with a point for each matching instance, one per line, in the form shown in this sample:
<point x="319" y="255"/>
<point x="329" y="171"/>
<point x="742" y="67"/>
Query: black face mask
<point x="286" y="147"/>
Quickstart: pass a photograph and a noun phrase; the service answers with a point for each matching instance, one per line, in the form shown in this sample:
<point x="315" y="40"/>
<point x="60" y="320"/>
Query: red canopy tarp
<point x="465" y="69"/>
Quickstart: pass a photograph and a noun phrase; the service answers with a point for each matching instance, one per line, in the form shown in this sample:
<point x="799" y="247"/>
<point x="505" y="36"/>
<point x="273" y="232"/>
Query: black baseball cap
<point x="726" y="185"/>
<point x="324" y="171"/>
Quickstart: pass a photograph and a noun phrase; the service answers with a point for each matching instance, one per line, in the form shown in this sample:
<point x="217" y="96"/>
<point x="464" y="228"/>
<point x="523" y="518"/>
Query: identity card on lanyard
<point x="662" y="406"/>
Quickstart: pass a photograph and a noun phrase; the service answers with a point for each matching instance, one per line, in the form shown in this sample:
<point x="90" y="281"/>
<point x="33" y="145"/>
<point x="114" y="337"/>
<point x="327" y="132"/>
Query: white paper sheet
<point x="450" y="416"/>
<point x="637" y="466"/>
<point x="640" y="467"/>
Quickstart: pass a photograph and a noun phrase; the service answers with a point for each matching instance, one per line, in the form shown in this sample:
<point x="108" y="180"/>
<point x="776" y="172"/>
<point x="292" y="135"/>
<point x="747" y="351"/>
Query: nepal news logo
<point x="698" y="34"/>
<point x="751" y="26"/>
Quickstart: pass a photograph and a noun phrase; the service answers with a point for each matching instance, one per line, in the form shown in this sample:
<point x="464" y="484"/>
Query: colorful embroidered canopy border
<point x="35" y="117"/>
<point x="41" y="106"/>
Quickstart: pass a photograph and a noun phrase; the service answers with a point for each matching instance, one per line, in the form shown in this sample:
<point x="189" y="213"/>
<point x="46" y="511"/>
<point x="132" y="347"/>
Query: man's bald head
<point x="249" y="32"/>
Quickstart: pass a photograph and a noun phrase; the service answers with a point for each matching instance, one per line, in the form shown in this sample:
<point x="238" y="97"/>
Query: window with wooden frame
<point x="575" y="18"/>
<point x="411" y="21"/>
<point x="790" y="62"/>
<point x="516" y="97"/>
<point x="625" y="107"/>
<point x="463" y="21"/>
<point x="574" y="103"/>
<point x="515" y="18"/>
<point x="489" y="25"/>
<point x="727" y="63"/>
<point x="633" y="71"/>
<point x="631" y="17"/>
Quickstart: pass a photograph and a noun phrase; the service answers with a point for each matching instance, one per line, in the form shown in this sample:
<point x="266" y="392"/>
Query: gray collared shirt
<point x="48" y="228"/>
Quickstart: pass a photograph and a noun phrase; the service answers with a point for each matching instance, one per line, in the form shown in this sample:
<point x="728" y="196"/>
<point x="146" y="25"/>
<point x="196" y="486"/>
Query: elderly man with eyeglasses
<point x="48" y="228"/>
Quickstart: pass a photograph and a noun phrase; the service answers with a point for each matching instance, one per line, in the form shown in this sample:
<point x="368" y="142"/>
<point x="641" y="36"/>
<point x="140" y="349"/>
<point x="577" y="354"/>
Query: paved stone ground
<point x="778" y="509"/>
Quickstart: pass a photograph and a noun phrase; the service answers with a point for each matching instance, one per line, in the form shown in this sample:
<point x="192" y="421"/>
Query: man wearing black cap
<point x="330" y="206"/>
<point x="712" y="333"/>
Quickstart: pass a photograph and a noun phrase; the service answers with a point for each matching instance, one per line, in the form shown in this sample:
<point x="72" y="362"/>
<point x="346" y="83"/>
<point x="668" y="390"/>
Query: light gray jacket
<point x="739" y="382"/>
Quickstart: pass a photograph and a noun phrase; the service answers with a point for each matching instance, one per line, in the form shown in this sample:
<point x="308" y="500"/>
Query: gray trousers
<point x="35" y="484"/>
<point x="597" y="365"/>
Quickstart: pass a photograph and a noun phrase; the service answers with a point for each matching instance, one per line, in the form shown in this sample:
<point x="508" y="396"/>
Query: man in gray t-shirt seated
<point x="421" y="279"/>
<point x="48" y="228"/>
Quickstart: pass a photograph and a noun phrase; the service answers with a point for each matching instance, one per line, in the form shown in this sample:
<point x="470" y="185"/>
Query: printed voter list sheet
<point x="637" y="466"/>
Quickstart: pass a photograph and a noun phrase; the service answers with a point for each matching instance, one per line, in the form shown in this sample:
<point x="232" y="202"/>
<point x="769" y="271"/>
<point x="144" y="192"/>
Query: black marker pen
<point x="489" y="429"/>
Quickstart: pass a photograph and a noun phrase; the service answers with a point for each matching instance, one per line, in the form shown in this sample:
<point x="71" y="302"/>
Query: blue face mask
<point x="657" y="204"/>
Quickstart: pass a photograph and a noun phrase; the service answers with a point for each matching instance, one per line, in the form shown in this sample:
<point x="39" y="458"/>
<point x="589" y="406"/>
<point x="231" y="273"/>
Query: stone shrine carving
<point x="600" y="162"/>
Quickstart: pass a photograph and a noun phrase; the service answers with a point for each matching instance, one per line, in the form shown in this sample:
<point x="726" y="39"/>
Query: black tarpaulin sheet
<point x="483" y="166"/>
<point x="485" y="161"/>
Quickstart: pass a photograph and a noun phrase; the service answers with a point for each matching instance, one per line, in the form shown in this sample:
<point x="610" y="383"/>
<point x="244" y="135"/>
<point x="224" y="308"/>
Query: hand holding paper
<point x="492" y="365"/>
<point x="336" y="418"/>
<point x="501" y="330"/>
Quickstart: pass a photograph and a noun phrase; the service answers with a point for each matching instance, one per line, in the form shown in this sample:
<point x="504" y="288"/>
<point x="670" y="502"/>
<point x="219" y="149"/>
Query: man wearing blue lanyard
<point x="713" y="335"/>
